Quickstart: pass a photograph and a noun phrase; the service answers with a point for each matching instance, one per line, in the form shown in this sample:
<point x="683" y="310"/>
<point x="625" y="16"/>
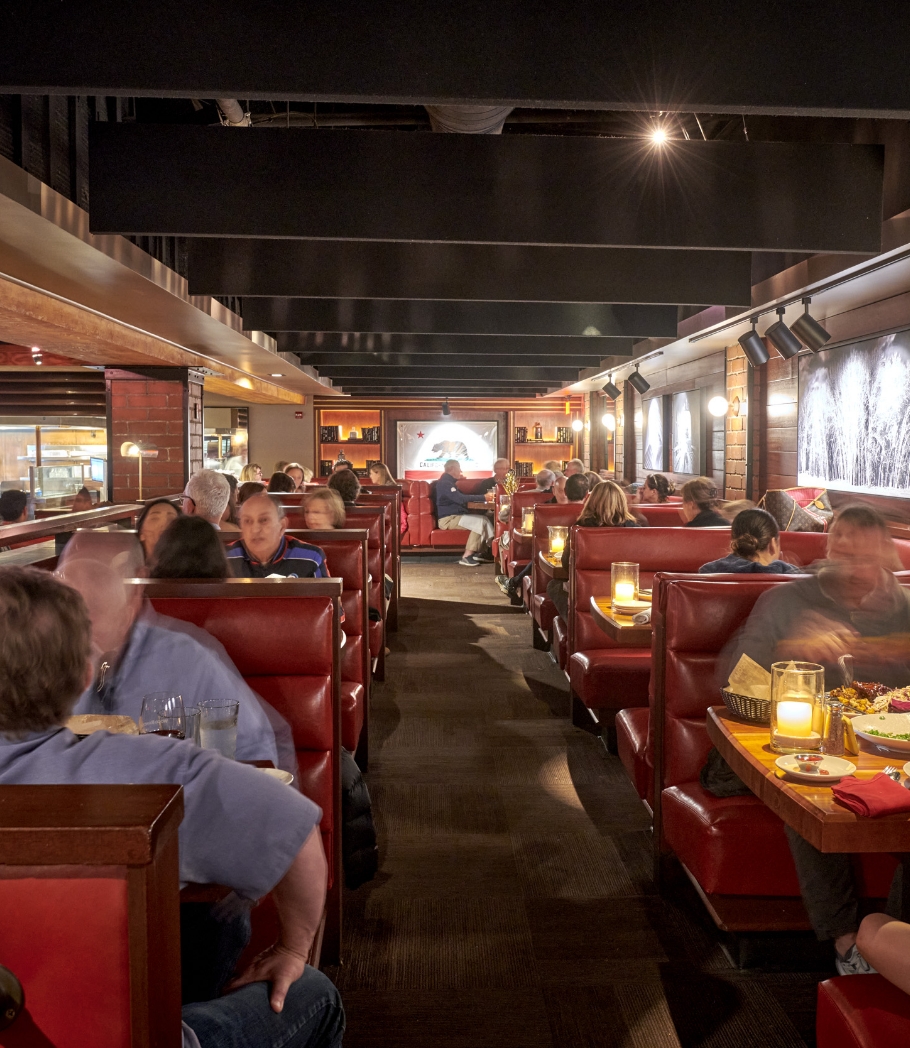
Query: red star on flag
<point x="420" y="436"/>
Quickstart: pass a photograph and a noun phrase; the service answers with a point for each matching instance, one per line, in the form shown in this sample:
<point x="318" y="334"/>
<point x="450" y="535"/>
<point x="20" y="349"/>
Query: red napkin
<point x="880" y="795"/>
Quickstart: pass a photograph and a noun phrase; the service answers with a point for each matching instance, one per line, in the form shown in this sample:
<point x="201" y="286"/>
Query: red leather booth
<point x="393" y="495"/>
<point x="733" y="849"/>
<point x="421" y="510"/>
<point x="543" y="610"/>
<point x="260" y="623"/>
<point x="604" y="676"/>
<point x="661" y="514"/>
<point x="518" y="554"/>
<point x="861" y="1011"/>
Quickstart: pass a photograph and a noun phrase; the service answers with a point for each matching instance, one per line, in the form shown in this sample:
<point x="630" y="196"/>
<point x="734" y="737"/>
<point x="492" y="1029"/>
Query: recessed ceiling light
<point x="277" y="374"/>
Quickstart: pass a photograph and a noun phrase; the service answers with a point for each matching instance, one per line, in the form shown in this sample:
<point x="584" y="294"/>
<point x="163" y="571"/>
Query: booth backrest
<point x="521" y="500"/>
<point x="661" y="515"/>
<point x="390" y="497"/>
<point x="566" y="514"/>
<point x="693" y="617"/>
<point x="373" y="518"/>
<point x="593" y="550"/>
<point x="90" y="914"/>
<point x="419" y="511"/>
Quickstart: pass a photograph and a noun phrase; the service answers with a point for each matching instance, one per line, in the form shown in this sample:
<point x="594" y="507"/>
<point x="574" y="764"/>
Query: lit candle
<point x="557" y="544"/>
<point x="624" y="591"/>
<point x="794" y="718"/>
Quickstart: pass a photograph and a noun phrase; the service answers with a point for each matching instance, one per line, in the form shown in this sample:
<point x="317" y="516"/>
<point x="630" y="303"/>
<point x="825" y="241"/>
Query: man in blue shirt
<point x="240" y="828"/>
<point x="263" y="550"/>
<point x="452" y="512"/>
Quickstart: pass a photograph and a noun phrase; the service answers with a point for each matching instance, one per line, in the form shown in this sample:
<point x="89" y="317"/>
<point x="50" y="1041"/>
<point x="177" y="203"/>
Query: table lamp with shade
<point x="139" y="449"/>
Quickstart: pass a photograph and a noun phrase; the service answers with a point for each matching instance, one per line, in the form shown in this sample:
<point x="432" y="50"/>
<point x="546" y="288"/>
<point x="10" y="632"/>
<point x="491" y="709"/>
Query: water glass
<point x="162" y="713"/>
<point x="192" y="724"/>
<point x="218" y="726"/>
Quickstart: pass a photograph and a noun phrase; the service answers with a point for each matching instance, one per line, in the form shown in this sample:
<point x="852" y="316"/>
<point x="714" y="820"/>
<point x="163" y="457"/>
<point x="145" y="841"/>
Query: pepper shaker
<point x="833" y="740"/>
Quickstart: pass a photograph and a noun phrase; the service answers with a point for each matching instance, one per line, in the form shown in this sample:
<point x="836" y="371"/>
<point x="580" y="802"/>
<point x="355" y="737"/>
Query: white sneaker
<point x="470" y="561"/>
<point x="852" y="963"/>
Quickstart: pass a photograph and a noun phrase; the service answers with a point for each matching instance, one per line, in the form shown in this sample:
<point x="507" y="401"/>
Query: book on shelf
<point x="328" y="434"/>
<point x="521" y="434"/>
<point x="524" y="469"/>
<point x="325" y="467"/>
<point x="563" y="435"/>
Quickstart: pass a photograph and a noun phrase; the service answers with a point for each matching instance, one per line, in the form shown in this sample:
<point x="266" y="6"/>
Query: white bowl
<point x="830" y="770"/>
<point x="893" y="723"/>
<point x="277" y="773"/>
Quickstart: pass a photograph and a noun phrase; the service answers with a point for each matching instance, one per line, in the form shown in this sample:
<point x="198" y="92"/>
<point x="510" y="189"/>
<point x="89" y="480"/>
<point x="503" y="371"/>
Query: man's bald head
<point x="262" y="526"/>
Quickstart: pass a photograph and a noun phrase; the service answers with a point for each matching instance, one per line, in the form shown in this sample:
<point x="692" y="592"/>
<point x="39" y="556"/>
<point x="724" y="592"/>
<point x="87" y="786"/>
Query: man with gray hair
<point x="452" y="512"/>
<point x="574" y="466"/>
<point x="206" y="496"/>
<point x="545" y="480"/>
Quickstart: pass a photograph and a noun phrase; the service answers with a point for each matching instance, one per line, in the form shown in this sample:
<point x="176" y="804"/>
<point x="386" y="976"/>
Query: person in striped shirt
<point x="263" y="549"/>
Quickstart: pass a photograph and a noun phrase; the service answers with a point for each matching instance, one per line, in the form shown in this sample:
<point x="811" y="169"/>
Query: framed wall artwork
<point x="425" y="447"/>
<point x="653" y="441"/>
<point x="687" y="447"/>
<point x="854" y="417"/>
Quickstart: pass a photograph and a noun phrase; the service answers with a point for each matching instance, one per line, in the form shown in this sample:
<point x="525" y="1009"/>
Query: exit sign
<point x="298" y="414"/>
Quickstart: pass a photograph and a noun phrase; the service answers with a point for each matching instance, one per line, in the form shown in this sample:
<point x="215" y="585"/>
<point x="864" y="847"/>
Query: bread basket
<point x="755" y="711"/>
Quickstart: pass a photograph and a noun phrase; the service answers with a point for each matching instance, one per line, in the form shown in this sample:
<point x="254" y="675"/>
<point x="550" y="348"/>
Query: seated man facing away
<point x="852" y="606"/>
<point x="452" y="512"/>
<point x="137" y="651"/>
<point x="240" y="827"/>
<point x="574" y="466"/>
<point x="207" y="495"/>
<point x="545" y="480"/>
<point x="13" y="507"/>
<point x="263" y="549"/>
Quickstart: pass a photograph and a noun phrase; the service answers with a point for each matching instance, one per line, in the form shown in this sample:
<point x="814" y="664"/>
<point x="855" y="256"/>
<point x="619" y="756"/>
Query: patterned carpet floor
<point x="514" y="906"/>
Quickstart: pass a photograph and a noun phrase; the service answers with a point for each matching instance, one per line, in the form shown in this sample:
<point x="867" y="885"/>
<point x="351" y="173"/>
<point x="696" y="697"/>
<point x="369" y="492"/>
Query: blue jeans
<point x="312" y="1017"/>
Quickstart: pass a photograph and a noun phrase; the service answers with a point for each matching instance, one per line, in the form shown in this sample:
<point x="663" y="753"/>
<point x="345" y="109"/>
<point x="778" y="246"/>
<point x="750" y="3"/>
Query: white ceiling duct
<point x="232" y="114"/>
<point x="468" y="120"/>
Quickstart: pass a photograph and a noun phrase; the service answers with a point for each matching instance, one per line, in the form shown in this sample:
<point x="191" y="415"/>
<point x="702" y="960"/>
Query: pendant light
<point x="782" y="338"/>
<point x="808" y="330"/>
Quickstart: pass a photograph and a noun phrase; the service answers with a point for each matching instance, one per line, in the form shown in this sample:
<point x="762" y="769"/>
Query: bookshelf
<point x="558" y="441"/>
<point x="355" y="434"/>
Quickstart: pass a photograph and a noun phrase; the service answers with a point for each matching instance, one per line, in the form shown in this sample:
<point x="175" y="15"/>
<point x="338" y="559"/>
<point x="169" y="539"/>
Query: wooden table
<point x="812" y="810"/>
<point x="486" y="507"/>
<point x="620" y="628"/>
<point x="553" y="569"/>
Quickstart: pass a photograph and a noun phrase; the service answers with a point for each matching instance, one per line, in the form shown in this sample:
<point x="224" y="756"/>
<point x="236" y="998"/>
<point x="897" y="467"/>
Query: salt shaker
<point x="833" y="741"/>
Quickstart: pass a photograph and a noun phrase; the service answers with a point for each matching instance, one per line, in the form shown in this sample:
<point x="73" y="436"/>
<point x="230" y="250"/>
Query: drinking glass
<point x="218" y="726"/>
<point x="192" y="724"/>
<point x="527" y="520"/>
<point x="162" y="713"/>
<point x="797" y="689"/>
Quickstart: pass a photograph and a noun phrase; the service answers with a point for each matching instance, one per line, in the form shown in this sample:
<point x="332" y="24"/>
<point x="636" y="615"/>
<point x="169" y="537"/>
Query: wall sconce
<point x="718" y="406"/>
<point x="139" y="449"/>
<point x="610" y="422"/>
<point x="577" y="425"/>
<point x="735" y="407"/>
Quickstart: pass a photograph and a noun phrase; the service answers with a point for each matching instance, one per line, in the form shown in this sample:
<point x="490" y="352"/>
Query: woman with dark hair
<point x="281" y="482"/>
<point x="346" y="484"/>
<point x="248" y="489"/>
<point x="154" y="518"/>
<point x="189" y="549"/>
<point x="699" y="505"/>
<point x="655" y="489"/>
<point x="755" y="546"/>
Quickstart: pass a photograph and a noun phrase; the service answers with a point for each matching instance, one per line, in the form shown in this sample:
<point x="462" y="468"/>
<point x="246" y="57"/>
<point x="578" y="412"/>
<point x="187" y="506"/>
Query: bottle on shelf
<point x="538" y="431"/>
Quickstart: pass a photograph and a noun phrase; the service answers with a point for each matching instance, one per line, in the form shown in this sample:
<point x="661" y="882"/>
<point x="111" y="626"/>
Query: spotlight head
<point x="446" y="410"/>
<point x="612" y="391"/>
<point x="782" y="338"/>
<point x="658" y="136"/>
<point x="638" y="381"/>
<point x="754" y="348"/>
<point x="808" y="330"/>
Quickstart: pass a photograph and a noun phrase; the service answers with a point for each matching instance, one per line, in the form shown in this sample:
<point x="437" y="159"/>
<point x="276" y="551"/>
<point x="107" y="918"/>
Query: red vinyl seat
<point x="861" y="1011"/>
<point x="632" y="745"/>
<point x="542" y="609"/>
<point x="520" y="545"/>
<point x="661" y="515"/>
<point x="561" y="641"/>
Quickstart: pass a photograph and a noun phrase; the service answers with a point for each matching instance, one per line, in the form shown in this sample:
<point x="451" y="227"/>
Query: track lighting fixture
<point x="446" y="410"/>
<point x="782" y="338"/>
<point x="611" y="390"/>
<point x="808" y="330"/>
<point x="639" y="382"/>
<point x="755" y="350"/>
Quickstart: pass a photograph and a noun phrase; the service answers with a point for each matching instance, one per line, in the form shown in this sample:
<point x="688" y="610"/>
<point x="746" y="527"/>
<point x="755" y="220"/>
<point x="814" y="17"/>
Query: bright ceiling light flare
<point x="658" y="136"/>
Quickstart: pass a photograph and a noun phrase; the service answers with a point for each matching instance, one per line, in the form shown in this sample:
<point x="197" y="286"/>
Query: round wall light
<point x="577" y="425"/>
<point x="610" y="422"/>
<point x="718" y="406"/>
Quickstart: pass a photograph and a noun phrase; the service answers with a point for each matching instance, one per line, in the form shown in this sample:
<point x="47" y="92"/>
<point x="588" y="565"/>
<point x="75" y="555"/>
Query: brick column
<point x="735" y="453"/>
<point x="162" y="406"/>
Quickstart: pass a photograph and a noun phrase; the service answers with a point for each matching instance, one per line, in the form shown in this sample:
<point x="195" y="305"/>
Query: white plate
<point x="836" y="767"/>
<point x="277" y="773"/>
<point x="898" y="723"/>
<point x="631" y="607"/>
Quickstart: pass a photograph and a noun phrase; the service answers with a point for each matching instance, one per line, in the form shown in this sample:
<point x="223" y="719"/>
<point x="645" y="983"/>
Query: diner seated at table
<point x="82" y="501"/>
<point x="240" y="828"/>
<point x="574" y="466"/>
<point x="189" y="549"/>
<point x="656" y="489"/>
<point x="279" y="481"/>
<point x="206" y="495"/>
<point x="754" y="548"/>
<point x="605" y="507"/>
<point x="247" y="489"/>
<point x="885" y="943"/>
<point x="380" y="474"/>
<point x="13" y="507"/>
<point x="852" y="605"/>
<point x="323" y="509"/>
<point x="136" y="651"/>
<point x="575" y="489"/>
<point x="700" y="502"/>
<point x="544" y="480"/>
<point x="452" y="512"/>
<point x="154" y="518"/>
<point x="500" y="468"/>
<point x="264" y="549"/>
<point x="252" y="471"/>
<point x="296" y="472"/>
<point x="345" y="482"/>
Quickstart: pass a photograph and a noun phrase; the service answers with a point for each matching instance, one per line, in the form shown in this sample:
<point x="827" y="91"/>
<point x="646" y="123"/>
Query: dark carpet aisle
<point x="514" y="906"/>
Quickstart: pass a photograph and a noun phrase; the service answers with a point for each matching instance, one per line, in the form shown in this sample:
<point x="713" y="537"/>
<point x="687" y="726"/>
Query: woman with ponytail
<point x="754" y="545"/>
